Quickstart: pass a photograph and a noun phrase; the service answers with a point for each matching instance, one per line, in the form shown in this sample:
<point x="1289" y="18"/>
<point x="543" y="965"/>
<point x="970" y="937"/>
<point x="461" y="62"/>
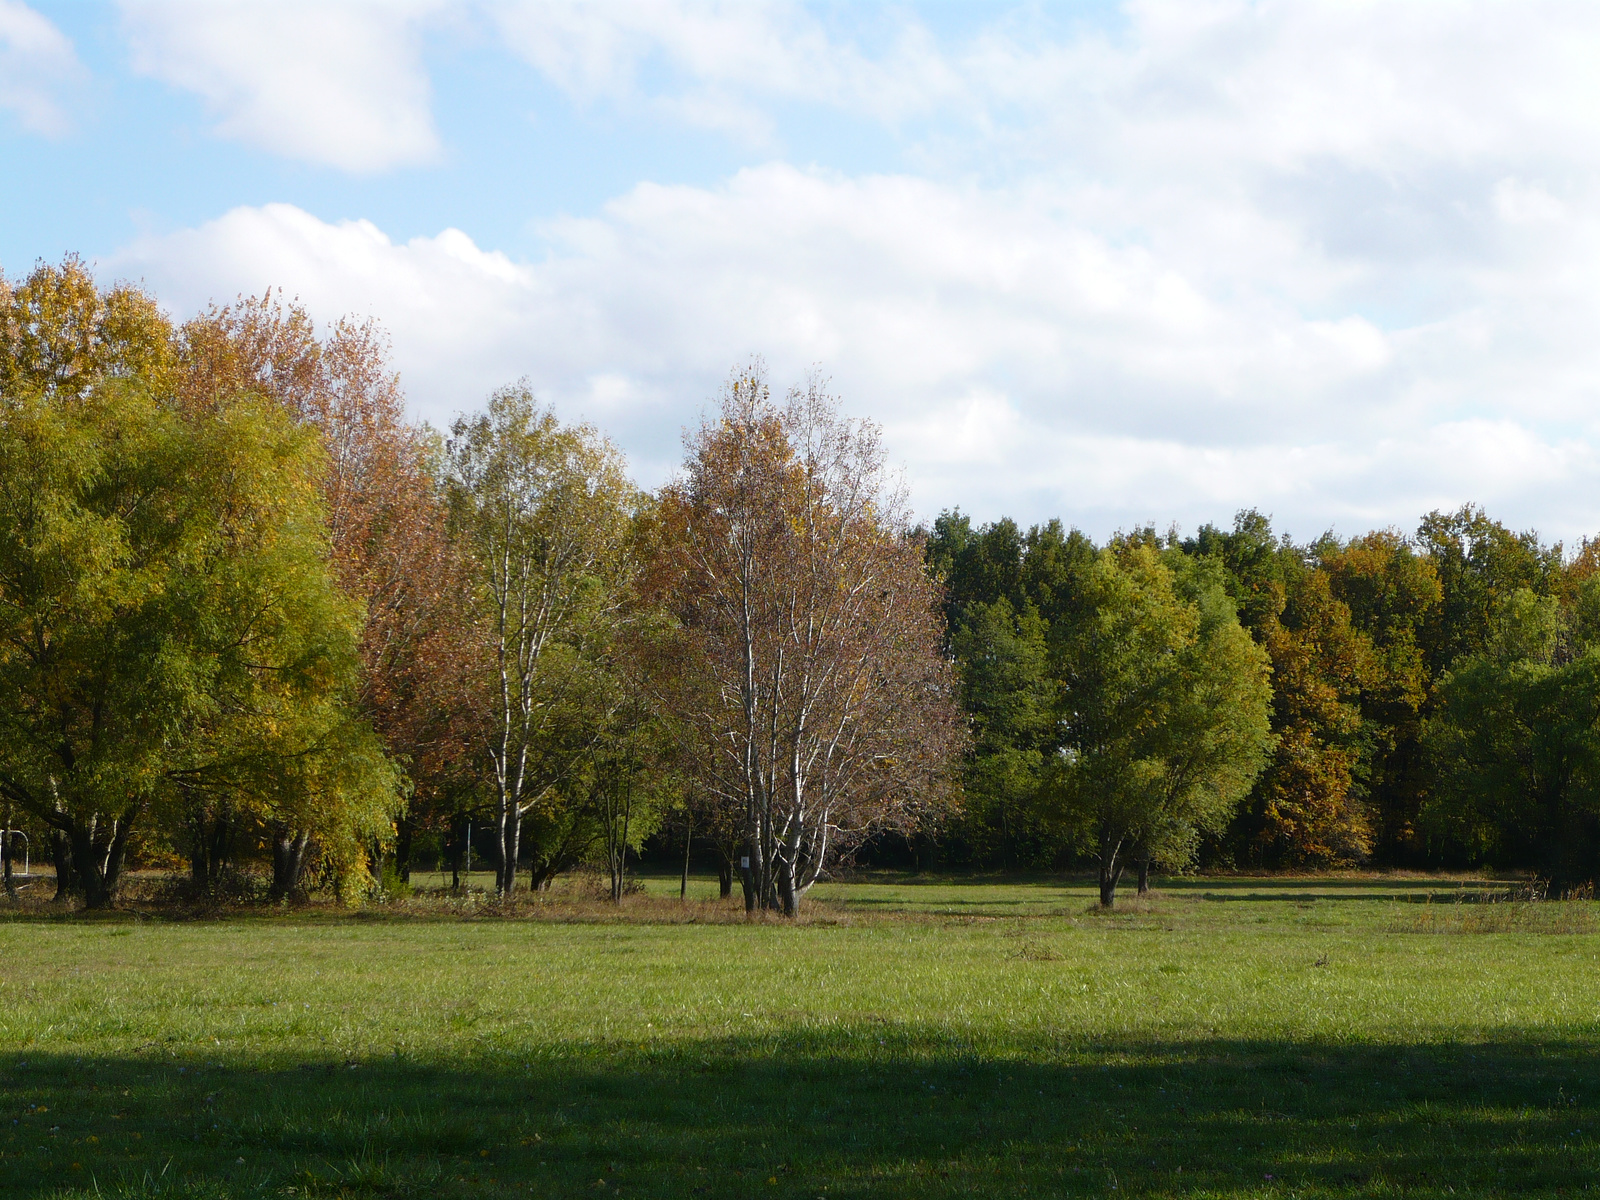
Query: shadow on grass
<point x="881" y="1111"/>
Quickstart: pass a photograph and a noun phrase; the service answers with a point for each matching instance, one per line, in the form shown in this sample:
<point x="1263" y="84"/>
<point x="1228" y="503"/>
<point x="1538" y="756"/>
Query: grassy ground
<point x="1323" y="1037"/>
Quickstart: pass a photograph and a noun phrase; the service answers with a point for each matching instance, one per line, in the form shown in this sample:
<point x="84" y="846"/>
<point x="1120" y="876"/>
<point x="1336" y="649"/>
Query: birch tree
<point x="541" y="511"/>
<point x="805" y="658"/>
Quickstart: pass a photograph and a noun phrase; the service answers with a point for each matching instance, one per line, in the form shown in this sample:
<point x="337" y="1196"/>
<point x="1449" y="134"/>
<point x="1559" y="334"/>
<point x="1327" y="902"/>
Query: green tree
<point x="169" y="624"/>
<point x="1163" y="712"/>
<point x="1517" y="741"/>
<point x="1007" y="693"/>
<point x="1003" y="588"/>
<point x="542" y="513"/>
<point x="1479" y="564"/>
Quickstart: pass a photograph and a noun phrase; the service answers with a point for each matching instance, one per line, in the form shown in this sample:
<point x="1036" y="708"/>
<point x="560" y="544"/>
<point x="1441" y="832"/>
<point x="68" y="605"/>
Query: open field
<point x="1234" y="1037"/>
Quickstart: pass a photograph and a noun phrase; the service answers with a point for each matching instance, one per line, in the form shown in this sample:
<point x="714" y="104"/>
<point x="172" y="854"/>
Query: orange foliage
<point x="385" y="513"/>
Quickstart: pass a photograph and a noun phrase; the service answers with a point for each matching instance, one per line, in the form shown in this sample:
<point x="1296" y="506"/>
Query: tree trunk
<point x="97" y="858"/>
<point x="221" y="839"/>
<point x="1108" y="885"/>
<point x="540" y="873"/>
<point x="208" y="850"/>
<point x="61" y="855"/>
<point x="199" y="862"/>
<point x="5" y="858"/>
<point x="725" y="878"/>
<point x="788" y="894"/>
<point x="375" y="862"/>
<point x="91" y="878"/>
<point x="501" y="829"/>
<point x="455" y="845"/>
<point x="788" y="899"/>
<point x="1111" y="864"/>
<point x="1144" y="876"/>
<point x="747" y="876"/>
<point x="507" y="849"/>
<point x="514" y="852"/>
<point x="402" y="849"/>
<point x="288" y="863"/>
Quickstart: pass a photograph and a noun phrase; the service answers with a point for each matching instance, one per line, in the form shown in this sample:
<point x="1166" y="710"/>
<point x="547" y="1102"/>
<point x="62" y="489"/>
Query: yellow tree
<point x="169" y="624"/>
<point x="386" y="521"/>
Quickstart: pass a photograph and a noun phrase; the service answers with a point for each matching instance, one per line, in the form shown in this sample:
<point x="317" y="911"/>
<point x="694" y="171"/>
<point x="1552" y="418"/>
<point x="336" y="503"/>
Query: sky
<point x="1122" y="264"/>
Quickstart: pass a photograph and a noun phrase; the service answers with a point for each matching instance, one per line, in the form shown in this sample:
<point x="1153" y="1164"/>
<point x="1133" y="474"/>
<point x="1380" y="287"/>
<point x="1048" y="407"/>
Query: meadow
<point x="910" y="1036"/>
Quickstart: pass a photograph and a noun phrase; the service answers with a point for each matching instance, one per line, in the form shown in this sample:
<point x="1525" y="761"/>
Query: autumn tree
<point x="173" y="635"/>
<point x="1392" y="594"/>
<point x="541" y="511"/>
<point x="61" y="334"/>
<point x="386" y="516"/>
<point x="805" y="658"/>
<point x="169" y="626"/>
<point x="1308" y="806"/>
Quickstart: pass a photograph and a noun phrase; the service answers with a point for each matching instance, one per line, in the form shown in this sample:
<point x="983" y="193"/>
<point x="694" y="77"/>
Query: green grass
<point x="1323" y="1037"/>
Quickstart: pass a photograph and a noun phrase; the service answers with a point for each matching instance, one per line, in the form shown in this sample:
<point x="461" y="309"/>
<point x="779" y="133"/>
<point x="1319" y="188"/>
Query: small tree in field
<point x="805" y="661"/>
<point x="1163" y="712"/>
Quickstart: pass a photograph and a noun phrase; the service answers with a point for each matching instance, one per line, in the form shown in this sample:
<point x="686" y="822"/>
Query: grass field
<point x="1319" y="1037"/>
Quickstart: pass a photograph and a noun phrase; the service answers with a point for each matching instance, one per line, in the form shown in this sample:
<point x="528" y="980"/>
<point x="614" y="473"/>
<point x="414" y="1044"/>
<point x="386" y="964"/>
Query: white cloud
<point x="340" y="84"/>
<point x="1339" y="262"/>
<point x="716" y="63"/>
<point x="37" y="63"/>
<point x="1018" y="361"/>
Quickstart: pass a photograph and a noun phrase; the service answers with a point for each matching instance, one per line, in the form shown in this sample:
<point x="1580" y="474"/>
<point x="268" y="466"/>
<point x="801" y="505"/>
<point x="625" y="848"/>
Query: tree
<point x="631" y="785"/>
<point x="61" y="335"/>
<point x="806" y="653"/>
<point x="541" y="511"/>
<point x="1310" y="811"/>
<point x="1218" y="735"/>
<point x="1307" y="806"/>
<point x="1479" y="564"/>
<point x="1517" y="741"/>
<point x="168" y="623"/>
<point x="386" y="518"/>
<point x="1163" y="711"/>
<point x="1392" y="594"/>
<point x="1008" y="695"/>
<point x="1003" y="590"/>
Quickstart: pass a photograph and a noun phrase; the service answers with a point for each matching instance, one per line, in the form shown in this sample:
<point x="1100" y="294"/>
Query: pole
<point x="688" y="841"/>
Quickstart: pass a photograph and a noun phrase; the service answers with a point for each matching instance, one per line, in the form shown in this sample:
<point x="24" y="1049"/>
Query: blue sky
<point x="1131" y="263"/>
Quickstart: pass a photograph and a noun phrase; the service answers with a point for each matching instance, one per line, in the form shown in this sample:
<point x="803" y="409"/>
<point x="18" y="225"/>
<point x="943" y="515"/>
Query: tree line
<point x="256" y="624"/>
<point x="259" y="628"/>
<point x="1431" y="698"/>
